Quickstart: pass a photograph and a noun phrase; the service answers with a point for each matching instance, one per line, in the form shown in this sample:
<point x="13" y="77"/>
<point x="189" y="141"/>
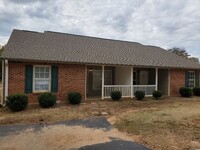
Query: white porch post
<point x="6" y="78"/>
<point x="131" y="82"/>
<point x="102" y="91"/>
<point x="156" y="79"/>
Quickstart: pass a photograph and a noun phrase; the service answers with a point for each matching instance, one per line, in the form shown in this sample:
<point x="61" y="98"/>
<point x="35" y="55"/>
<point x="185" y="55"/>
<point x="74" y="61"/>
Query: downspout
<point x="102" y="90"/>
<point x="2" y="83"/>
<point x="6" y="79"/>
<point x="156" y="79"/>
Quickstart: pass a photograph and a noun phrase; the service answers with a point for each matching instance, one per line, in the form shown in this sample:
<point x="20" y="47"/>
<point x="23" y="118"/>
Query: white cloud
<point x="153" y="22"/>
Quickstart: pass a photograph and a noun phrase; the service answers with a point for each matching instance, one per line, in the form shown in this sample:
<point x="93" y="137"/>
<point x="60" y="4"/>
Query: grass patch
<point x="171" y="127"/>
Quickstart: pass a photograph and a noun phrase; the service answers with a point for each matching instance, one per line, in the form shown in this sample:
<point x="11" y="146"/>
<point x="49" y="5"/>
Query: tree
<point x="1" y="49"/>
<point x="182" y="52"/>
<point x="194" y="59"/>
<point x="179" y="51"/>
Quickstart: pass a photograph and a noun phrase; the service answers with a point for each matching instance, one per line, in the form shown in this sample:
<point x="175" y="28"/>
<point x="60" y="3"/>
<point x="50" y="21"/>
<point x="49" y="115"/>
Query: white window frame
<point x="189" y="80"/>
<point x="41" y="91"/>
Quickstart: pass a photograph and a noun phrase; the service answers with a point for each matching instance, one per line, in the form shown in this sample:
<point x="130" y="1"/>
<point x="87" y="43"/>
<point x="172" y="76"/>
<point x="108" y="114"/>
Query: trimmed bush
<point x="116" y="95"/>
<point x="157" y="94"/>
<point x="185" y="92"/>
<point x="47" y="99"/>
<point x="17" y="102"/>
<point x="74" y="98"/>
<point x="196" y="91"/>
<point x="139" y="95"/>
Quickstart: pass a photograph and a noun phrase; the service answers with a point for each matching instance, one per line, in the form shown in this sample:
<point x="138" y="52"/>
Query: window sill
<point x="39" y="92"/>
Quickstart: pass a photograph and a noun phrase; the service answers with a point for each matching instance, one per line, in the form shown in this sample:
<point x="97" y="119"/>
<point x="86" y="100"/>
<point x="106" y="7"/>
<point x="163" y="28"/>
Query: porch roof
<point x="68" y="48"/>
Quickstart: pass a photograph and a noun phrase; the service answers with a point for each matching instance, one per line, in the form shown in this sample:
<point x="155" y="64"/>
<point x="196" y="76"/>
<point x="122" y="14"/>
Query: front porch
<point x="102" y="80"/>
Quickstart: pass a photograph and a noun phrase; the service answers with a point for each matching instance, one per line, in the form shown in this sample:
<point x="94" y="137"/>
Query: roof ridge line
<point x="93" y="37"/>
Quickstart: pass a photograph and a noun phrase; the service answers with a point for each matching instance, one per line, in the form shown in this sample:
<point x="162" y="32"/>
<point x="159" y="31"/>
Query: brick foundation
<point x="70" y="78"/>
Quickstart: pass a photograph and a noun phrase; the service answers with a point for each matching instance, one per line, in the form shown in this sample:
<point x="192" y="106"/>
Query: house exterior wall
<point x="177" y="80"/>
<point x="71" y="77"/>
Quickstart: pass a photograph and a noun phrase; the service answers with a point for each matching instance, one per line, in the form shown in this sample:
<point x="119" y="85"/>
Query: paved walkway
<point x="98" y="108"/>
<point x="95" y="133"/>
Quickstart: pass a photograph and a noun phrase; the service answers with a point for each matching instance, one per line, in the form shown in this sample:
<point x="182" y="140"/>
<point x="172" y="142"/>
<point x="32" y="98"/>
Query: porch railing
<point x="148" y="89"/>
<point x="125" y="89"/>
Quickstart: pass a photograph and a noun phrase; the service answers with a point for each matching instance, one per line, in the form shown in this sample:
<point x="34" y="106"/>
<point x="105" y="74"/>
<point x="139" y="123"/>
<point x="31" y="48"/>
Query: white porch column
<point x="6" y="78"/>
<point x="156" y="79"/>
<point x="131" y="82"/>
<point x="102" y="91"/>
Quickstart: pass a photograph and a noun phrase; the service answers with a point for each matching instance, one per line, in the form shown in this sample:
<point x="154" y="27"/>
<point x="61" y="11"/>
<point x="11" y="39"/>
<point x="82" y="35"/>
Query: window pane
<point x="41" y="69"/>
<point x="37" y="75"/>
<point x="47" y="69"/>
<point x="37" y="69"/>
<point x="46" y="75"/>
<point x="41" y="74"/>
<point x="191" y="75"/>
<point x="191" y="83"/>
<point x="41" y="85"/>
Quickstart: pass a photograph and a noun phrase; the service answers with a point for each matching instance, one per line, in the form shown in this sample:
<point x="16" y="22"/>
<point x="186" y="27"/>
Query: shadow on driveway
<point x="115" y="145"/>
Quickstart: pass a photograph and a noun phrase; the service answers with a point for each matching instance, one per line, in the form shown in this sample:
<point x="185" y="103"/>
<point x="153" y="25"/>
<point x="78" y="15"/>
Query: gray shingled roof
<point x="68" y="48"/>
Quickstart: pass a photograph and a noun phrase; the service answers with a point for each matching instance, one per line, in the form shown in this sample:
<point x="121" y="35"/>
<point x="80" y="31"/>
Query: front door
<point x="94" y="81"/>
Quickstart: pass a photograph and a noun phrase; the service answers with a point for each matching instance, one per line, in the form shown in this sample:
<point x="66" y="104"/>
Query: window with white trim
<point x="41" y="78"/>
<point x="191" y="79"/>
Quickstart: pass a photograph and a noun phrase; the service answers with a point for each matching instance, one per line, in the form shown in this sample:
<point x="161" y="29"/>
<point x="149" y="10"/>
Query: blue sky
<point x="164" y="23"/>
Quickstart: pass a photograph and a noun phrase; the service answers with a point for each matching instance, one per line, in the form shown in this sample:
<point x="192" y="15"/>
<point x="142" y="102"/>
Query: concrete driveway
<point x="89" y="134"/>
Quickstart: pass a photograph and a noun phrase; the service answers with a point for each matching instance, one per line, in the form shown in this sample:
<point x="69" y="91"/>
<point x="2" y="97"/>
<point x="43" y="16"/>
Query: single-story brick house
<point x="35" y="62"/>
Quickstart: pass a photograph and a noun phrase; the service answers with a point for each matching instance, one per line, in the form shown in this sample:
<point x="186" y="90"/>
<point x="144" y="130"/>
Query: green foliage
<point x="47" y="99"/>
<point x="17" y="102"/>
<point x="74" y="98"/>
<point x="194" y="59"/>
<point x="157" y="94"/>
<point x="196" y="91"/>
<point x="182" y="52"/>
<point x="139" y="95"/>
<point x="185" y="92"/>
<point x="179" y="51"/>
<point x="116" y="95"/>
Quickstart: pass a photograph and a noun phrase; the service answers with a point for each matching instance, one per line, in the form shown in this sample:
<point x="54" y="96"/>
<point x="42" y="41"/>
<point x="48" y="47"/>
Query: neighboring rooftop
<point x="68" y="48"/>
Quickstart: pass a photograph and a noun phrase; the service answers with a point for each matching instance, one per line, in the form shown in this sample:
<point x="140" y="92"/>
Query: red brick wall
<point x="177" y="80"/>
<point x="70" y="78"/>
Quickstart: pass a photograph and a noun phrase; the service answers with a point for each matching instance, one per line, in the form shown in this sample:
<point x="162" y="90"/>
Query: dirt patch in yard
<point x="59" y="137"/>
<point x="171" y="123"/>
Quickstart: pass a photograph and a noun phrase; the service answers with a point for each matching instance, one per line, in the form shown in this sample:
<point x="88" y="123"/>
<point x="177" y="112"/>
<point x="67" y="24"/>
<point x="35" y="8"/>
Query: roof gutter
<point x="100" y="64"/>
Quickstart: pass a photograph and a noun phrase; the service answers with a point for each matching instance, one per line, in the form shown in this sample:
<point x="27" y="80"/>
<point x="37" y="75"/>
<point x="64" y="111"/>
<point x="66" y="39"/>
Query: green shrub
<point x="196" y="91"/>
<point x="47" y="99"/>
<point x="74" y="97"/>
<point x="17" y="102"/>
<point x="139" y="95"/>
<point x="185" y="92"/>
<point x="157" y="94"/>
<point x="116" y="95"/>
